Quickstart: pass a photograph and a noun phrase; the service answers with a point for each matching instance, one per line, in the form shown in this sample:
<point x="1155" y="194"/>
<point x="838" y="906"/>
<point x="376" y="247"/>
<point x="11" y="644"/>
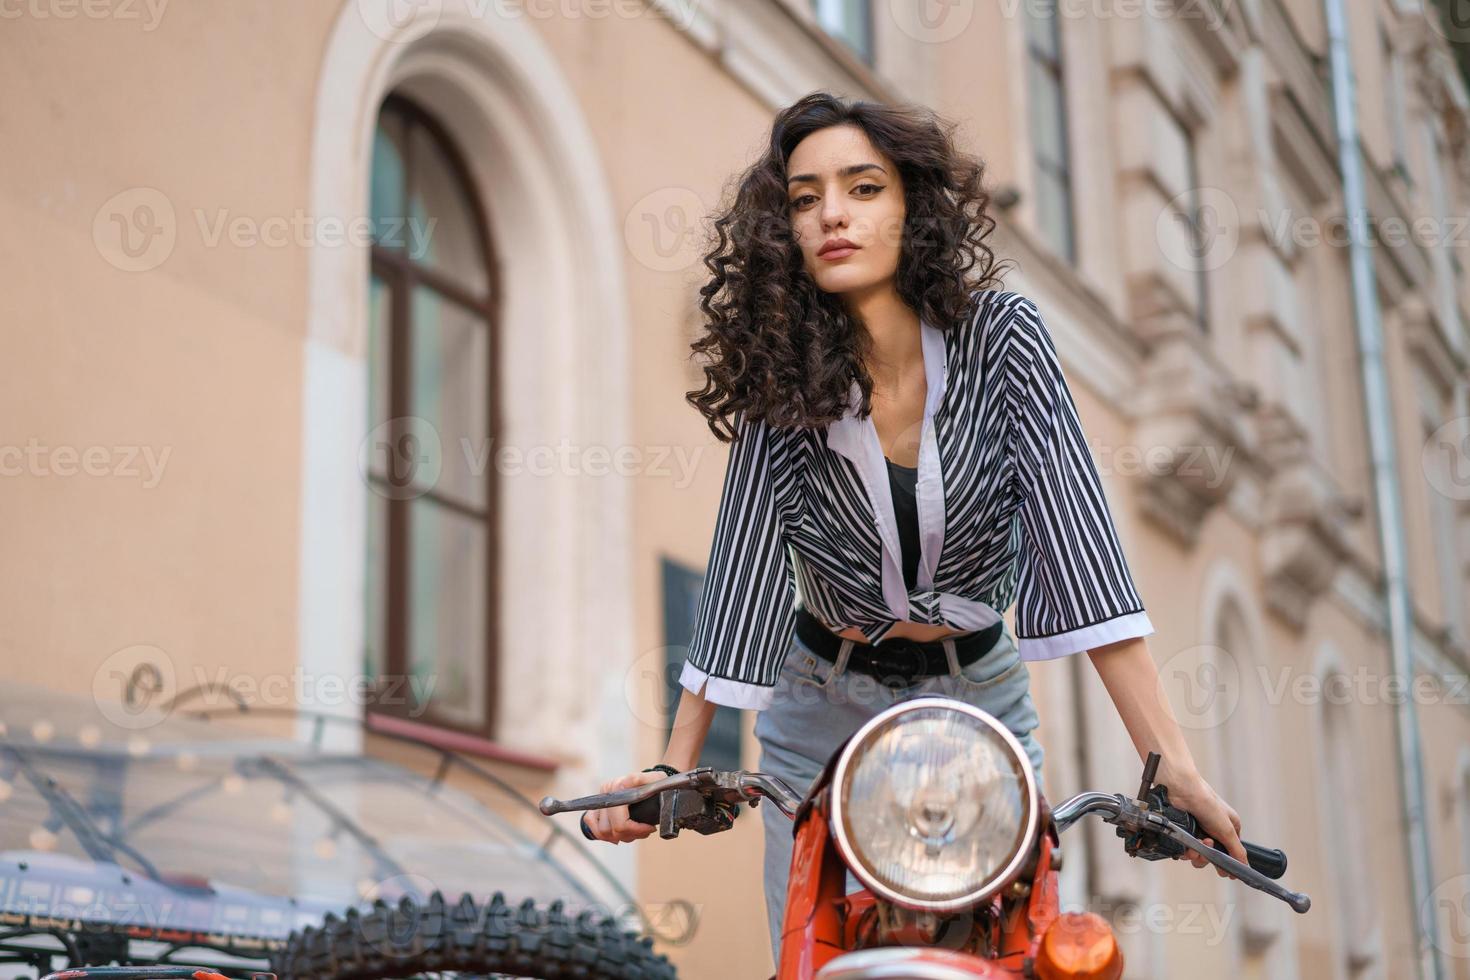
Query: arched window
<point x="1249" y="774"/>
<point x="431" y="530"/>
<point x="1345" y="834"/>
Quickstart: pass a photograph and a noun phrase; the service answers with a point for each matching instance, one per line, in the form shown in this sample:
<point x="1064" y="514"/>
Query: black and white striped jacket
<point x="1010" y="508"/>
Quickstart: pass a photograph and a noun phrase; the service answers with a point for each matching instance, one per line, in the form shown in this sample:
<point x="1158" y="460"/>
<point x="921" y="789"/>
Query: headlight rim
<point x="996" y="881"/>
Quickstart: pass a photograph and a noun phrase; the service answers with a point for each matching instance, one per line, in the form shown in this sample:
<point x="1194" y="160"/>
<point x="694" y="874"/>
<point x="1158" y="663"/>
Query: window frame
<point x="1061" y="171"/>
<point x="401" y="276"/>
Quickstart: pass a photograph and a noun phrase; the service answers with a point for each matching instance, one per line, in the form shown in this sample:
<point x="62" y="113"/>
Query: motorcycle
<point x="934" y="807"/>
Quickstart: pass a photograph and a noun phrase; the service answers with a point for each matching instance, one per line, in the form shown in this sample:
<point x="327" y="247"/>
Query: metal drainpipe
<point x="1385" y="481"/>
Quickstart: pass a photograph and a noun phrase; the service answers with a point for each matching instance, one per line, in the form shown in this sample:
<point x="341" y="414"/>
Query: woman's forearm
<point x="1132" y="681"/>
<point x="1128" y="672"/>
<point x="691" y="726"/>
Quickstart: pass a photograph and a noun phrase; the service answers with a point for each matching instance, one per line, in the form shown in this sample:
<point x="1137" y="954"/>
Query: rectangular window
<point x="682" y="586"/>
<point x="850" y="21"/>
<point x="1047" y="104"/>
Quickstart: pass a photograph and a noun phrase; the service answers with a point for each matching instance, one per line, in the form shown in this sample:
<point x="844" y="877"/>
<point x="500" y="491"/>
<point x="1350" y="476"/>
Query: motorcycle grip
<point x="1269" y="861"/>
<point x="644" y="811"/>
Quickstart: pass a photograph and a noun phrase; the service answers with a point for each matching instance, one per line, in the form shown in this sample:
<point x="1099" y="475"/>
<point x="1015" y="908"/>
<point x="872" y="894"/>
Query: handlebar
<point x="707" y="801"/>
<point x="1152" y="828"/>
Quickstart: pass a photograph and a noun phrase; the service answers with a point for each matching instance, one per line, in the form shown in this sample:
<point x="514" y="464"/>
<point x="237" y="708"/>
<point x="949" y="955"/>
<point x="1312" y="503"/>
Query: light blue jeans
<point x="817" y="704"/>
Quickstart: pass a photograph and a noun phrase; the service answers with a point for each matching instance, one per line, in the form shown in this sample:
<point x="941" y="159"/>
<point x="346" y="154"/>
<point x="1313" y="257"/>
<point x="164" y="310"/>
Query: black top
<point x="901" y="481"/>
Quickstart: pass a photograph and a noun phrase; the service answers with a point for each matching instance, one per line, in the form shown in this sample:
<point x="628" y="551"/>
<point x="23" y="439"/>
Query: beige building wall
<point x="601" y="135"/>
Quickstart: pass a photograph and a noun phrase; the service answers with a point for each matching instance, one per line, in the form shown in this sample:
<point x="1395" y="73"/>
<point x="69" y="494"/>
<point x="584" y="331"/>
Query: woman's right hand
<point x="612" y="824"/>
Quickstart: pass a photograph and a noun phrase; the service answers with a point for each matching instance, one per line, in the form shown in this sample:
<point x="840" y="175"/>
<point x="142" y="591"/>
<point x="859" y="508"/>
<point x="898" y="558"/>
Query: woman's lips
<point x="833" y="254"/>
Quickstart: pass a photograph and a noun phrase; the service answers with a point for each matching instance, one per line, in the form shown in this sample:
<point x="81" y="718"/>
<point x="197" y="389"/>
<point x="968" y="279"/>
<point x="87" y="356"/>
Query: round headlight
<point x="934" y="804"/>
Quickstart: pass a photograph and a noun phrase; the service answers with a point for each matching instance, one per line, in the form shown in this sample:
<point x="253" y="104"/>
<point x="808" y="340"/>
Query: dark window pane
<point x="389" y="181"/>
<point x="443" y="232"/>
<point x="451" y="364"/>
<point x="1045" y="106"/>
<point x="446" y="611"/>
<point x="380" y="314"/>
<point x="1053" y="211"/>
<point x="682" y="586"/>
<point x="849" y="20"/>
<point x="1041" y="29"/>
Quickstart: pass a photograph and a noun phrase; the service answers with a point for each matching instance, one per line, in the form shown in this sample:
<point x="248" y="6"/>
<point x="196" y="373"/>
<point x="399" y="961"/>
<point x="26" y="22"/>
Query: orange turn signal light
<point x="1079" y="946"/>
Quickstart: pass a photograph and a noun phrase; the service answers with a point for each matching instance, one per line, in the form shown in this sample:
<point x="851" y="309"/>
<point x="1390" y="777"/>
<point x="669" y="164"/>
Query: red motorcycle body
<point x="822" y="930"/>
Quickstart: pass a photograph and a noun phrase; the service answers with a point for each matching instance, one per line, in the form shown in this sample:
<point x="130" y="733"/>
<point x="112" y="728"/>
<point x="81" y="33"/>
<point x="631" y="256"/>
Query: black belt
<point x="896" y="661"/>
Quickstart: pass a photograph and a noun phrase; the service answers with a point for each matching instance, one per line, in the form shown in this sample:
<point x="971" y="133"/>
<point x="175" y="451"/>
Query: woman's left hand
<point x="1216" y="818"/>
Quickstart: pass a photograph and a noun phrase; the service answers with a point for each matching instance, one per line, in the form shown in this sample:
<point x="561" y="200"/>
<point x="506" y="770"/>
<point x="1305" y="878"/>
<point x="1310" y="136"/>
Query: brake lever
<point x="1137" y="824"/>
<point x="1222" y="859"/>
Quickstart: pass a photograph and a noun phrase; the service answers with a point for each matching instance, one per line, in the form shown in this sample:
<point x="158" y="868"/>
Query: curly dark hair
<point x="781" y="349"/>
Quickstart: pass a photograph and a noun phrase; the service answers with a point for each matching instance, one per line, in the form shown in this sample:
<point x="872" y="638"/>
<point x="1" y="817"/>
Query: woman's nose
<point x="834" y="213"/>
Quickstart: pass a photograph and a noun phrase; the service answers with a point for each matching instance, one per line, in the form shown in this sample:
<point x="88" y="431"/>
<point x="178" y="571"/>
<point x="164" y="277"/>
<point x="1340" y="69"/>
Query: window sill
<point x="460" y="742"/>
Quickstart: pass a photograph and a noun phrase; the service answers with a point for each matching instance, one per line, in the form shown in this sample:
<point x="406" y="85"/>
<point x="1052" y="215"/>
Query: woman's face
<point x="840" y="187"/>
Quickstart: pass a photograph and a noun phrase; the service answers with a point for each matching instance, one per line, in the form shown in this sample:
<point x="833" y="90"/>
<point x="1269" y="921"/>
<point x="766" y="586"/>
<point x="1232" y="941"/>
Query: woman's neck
<point x="897" y="355"/>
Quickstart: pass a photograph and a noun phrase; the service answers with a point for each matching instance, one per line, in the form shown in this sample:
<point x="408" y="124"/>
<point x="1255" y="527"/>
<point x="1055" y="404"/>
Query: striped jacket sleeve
<point x="747" y="610"/>
<point x="1074" y="591"/>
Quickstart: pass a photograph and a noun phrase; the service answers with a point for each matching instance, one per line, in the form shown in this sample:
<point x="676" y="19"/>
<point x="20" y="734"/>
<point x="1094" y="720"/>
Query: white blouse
<point x="1010" y="508"/>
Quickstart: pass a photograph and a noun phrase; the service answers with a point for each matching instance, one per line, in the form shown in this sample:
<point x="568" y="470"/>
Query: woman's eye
<point x="801" y="202"/>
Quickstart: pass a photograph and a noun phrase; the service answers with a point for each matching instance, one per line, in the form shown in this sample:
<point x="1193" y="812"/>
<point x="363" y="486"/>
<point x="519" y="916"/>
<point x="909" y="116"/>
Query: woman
<point x="907" y="454"/>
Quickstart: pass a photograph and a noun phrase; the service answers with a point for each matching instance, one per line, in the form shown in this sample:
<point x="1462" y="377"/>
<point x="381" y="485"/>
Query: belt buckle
<point x="902" y="657"/>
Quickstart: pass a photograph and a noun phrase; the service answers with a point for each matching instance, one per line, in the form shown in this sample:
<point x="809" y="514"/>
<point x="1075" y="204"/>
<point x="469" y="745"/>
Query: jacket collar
<point x="857" y="439"/>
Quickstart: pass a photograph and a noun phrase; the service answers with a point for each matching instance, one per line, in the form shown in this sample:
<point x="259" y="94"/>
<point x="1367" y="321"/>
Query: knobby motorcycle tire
<point x="411" y="939"/>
